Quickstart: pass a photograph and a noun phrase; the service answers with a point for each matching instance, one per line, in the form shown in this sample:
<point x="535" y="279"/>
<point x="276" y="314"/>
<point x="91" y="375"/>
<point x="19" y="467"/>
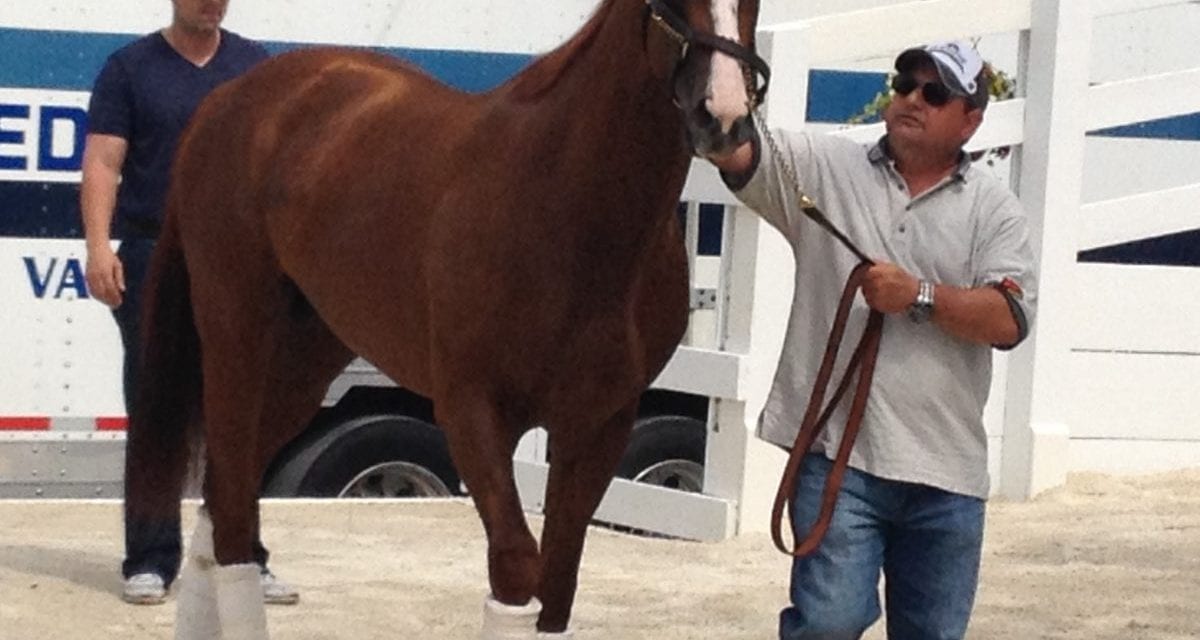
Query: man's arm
<point x="758" y="181"/>
<point x="103" y="157"/>
<point x="976" y="315"/>
<point x="980" y="315"/>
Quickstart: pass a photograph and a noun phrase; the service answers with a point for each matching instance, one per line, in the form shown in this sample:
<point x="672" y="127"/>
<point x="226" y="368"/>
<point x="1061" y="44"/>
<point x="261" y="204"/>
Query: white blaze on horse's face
<point x="727" y="98"/>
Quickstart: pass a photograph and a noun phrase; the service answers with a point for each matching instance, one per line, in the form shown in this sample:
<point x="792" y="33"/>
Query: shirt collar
<point x="880" y="152"/>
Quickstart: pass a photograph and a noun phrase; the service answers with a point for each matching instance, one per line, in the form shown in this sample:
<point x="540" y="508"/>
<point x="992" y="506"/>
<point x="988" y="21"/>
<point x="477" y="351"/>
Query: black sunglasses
<point x="936" y="93"/>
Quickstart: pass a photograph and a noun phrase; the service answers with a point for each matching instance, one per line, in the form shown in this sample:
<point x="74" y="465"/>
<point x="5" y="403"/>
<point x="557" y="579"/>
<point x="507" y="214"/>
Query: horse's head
<point x="715" y="68"/>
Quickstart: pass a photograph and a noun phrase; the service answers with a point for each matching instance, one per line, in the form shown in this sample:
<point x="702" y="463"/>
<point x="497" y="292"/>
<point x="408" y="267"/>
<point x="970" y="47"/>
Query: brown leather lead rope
<point x="863" y="360"/>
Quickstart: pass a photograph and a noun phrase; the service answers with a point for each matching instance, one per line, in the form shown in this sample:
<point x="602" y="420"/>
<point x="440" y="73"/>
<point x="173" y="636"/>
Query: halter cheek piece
<point x="677" y="28"/>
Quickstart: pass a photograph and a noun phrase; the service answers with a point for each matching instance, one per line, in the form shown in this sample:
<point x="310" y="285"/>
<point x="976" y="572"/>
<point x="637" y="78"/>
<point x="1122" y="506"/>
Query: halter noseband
<point x="678" y="29"/>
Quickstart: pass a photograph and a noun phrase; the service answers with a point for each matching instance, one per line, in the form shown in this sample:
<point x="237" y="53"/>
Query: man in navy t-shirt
<point x="141" y="103"/>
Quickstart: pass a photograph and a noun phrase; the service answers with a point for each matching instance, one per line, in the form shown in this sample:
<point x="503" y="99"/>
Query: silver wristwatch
<point x="922" y="309"/>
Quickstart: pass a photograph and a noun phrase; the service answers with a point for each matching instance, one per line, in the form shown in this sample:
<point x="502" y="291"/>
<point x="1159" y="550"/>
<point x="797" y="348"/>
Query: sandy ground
<point x="1104" y="558"/>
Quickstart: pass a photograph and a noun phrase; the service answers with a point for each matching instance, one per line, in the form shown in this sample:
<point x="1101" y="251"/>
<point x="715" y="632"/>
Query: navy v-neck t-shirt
<point x="146" y="93"/>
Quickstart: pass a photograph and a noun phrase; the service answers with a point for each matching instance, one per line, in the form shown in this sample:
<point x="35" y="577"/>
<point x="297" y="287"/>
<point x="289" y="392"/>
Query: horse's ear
<point x="748" y="22"/>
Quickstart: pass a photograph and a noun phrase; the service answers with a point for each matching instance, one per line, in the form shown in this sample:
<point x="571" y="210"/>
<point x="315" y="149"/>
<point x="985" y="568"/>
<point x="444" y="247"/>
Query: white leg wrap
<point x="507" y="622"/>
<point x="240" y="602"/>
<point x="196" y="604"/>
<point x="564" y="635"/>
<point x="201" y="546"/>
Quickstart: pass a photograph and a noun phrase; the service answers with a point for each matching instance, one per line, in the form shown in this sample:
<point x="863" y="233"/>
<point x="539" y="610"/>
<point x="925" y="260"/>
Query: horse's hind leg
<point x="307" y="358"/>
<point x="240" y="318"/>
<point x="482" y="441"/>
<point x="583" y="458"/>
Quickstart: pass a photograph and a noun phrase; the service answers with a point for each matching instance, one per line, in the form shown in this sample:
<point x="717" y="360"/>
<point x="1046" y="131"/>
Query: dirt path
<point x="1102" y="559"/>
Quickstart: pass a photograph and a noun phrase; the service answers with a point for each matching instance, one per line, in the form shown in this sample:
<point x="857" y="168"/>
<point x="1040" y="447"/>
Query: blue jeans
<point x="134" y="254"/>
<point x="150" y="547"/>
<point x="926" y="541"/>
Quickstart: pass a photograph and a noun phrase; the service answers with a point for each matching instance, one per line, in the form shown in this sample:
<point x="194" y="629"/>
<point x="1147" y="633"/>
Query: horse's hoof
<point x="239" y="602"/>
<point x="508" y="622"/>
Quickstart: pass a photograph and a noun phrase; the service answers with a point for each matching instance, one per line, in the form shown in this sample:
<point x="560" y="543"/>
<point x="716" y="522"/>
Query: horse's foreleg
<point x="482" y="444"/>
<point x="583" y="459"/>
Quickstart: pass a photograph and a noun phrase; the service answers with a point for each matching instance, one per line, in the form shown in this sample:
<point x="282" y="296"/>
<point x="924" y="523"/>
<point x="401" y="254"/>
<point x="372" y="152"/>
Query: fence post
<point x="1038" y="396"/>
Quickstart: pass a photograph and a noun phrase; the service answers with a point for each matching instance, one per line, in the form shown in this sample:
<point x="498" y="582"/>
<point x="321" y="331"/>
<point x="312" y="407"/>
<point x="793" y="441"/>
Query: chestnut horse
<point x="513" y="256"/>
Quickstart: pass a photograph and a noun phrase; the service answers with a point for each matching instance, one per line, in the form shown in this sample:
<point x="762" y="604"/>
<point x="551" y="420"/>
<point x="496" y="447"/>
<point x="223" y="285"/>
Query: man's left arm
<point x="999" y="306"/>
<point x="977" y="315"/>
<point x="980" y="314"/>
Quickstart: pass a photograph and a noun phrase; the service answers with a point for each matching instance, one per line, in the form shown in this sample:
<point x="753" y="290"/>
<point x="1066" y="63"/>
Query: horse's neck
<point x="607" y="86"/>
<point x="608" y="104"/>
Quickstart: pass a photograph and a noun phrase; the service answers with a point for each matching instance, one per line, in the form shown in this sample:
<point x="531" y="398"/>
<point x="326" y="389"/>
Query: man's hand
<point x="890" y="289"/>
<point x="105" y="275"/>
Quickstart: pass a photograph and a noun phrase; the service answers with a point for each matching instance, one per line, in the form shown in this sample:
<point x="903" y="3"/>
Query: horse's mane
<point x="546" y="71"/>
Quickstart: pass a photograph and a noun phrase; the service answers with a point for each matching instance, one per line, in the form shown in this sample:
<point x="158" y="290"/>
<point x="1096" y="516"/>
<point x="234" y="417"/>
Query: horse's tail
<point x="165" y="432"/>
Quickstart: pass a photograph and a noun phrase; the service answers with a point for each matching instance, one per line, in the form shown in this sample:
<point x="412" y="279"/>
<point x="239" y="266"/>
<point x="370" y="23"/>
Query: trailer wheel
<point x="395" y="479"/>
<point x="667" y="451"/>
<point x="376" y="456"/>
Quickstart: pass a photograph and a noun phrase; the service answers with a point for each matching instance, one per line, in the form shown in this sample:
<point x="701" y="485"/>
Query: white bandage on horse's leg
<point x="565" y="635"/>
<point x="196" y="604"/>
<point x="507" y="622"/>
<point x="240" y="602"/>
<point x="201" y="546"/>
<point x="196" y="615"/>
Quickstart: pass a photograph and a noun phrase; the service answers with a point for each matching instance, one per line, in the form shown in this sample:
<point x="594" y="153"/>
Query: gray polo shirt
<point x="923" y="420"/>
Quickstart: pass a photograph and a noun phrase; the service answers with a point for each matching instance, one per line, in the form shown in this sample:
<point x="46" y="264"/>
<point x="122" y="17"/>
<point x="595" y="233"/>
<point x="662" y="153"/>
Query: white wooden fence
<point x="1108" y="379"/>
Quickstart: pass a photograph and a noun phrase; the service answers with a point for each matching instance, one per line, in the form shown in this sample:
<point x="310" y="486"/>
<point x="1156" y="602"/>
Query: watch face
<point x="922" y="309"/>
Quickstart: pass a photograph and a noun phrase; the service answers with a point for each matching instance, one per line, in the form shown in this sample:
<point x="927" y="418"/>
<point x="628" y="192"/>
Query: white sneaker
<point x="276" y="592"/>
<point x="144" y="588"/>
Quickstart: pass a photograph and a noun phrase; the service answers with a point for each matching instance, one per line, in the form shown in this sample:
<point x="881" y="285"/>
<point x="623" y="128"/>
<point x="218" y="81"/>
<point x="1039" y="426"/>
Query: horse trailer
<point x="61" y="409"/>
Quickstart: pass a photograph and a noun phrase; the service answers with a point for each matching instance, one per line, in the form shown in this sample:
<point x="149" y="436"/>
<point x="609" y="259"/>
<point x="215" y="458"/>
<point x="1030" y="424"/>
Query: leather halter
<point x="678" y="29"/>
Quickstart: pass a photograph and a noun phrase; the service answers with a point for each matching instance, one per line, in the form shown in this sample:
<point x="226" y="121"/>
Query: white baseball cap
<point x="958" y="64"/>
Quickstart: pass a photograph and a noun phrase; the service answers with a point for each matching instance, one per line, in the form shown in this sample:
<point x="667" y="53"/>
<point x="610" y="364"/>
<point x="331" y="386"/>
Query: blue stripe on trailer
<point x="68" y="60"/>
<point x="40" y="210"/>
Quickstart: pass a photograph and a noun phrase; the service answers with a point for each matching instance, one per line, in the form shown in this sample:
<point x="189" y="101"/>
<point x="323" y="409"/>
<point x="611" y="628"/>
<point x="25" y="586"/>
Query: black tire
<point x="402" y="455"/>
<point x="666" y="451"/>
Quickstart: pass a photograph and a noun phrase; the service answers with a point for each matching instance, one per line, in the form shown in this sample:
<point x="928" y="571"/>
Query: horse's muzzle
<point x="707" y="137"/>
